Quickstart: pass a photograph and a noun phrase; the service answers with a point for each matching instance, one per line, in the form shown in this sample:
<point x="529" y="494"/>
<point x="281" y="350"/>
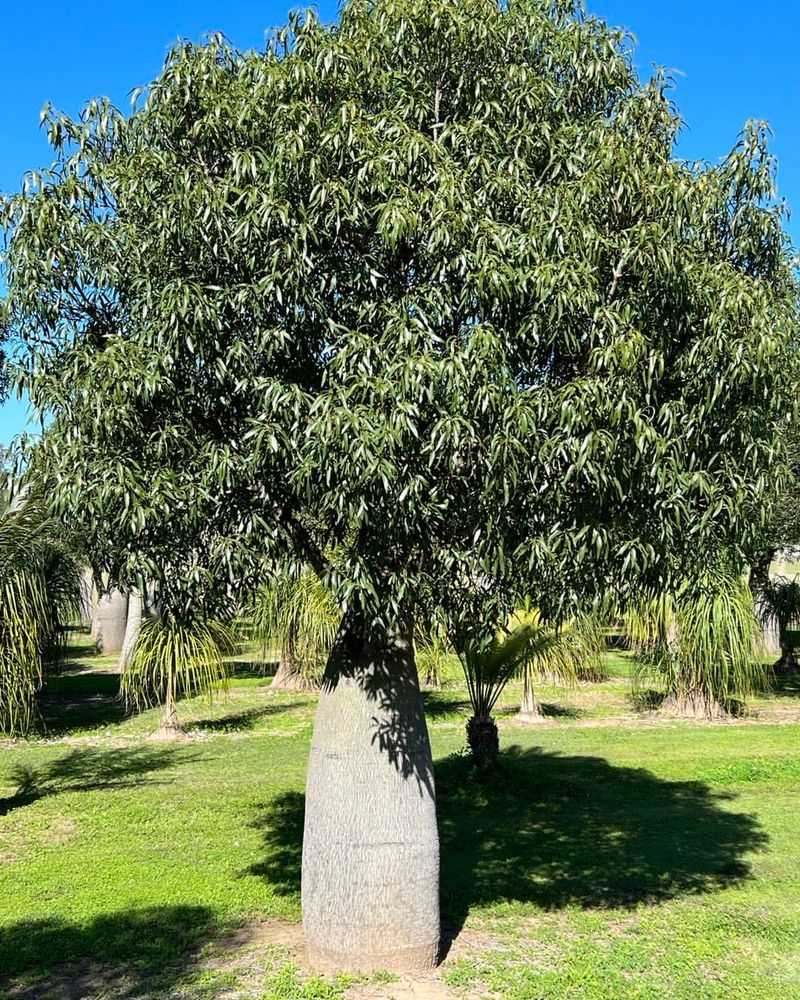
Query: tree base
<point x="288" y="679"/>
<point x="531" y="718"/>
<point x="686" y="707"/>
<point x="172" y="732"/>
<point x="417" y="959"/>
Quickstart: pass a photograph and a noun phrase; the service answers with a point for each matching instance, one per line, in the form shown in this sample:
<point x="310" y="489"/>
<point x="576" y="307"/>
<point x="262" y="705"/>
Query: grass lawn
<point x="618" y="854"/>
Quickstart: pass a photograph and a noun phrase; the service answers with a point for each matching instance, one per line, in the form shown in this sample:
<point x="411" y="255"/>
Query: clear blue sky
<point x="736" y="59"/>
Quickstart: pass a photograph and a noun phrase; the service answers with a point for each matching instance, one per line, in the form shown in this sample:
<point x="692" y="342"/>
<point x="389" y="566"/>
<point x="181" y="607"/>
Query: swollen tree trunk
<point x="290" y="675"/>
<point x="787" y="662"/>
<point x="88" y="597"/>
<point x="170" y="727"/>
<point x="110" y="620"/>
<point x="370" y="884"/>
<point x="132" y="628"/>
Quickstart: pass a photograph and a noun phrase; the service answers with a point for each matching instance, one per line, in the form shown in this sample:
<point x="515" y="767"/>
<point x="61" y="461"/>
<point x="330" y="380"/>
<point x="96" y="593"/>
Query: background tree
<point x="298" y="614"/>
<point x="420" y="297"/>
<point x="39" y="595"/>
<point x="566" y="654"/>
<point x="701" y="644"/>
<point x="172" y="659"/>
<point x="778" y="607"/>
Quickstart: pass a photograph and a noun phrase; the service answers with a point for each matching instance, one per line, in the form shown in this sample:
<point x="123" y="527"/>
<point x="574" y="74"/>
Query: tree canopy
<point x="420" y="296"/>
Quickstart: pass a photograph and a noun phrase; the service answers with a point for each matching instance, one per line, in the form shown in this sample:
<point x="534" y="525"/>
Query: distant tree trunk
<point x="759" y="570"/>
<point x="370" y="885"/>
<point x="787" y="662"/>
<point x="88" y="596"/>
<point x="110" y="620"/>
<point x="132" y="628"/>
<point x="290" y="675"/>
<point x="770" y="629"/>
<point x="483" y="740"/>
<point x="170" y="727"/>
<point x="529" y="710"/>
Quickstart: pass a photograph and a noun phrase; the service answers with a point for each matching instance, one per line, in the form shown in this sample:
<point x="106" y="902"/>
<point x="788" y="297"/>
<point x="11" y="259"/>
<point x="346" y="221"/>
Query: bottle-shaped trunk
<point x="110" y="621"/>
<point x="370" y="886"/>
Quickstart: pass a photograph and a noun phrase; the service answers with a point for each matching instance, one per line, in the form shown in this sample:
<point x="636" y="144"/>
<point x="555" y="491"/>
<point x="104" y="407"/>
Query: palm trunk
<point x="132" y="628"/>
<point x="110" y="621"/>
<point x="290" y="675"/>
<point x="370" y="884"/>
<point x="170" y="727"/>
<point x="483" y="740"/>
<point x="529" y="710"/>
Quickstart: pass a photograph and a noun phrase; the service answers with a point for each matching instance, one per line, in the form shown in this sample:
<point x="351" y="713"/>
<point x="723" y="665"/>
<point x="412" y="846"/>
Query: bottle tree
<point x="422" y="299"/>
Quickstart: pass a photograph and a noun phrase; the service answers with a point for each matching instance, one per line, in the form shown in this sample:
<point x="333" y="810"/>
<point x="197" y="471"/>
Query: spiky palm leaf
<point x="176" y="659"/>
<point x="566" y="653"/>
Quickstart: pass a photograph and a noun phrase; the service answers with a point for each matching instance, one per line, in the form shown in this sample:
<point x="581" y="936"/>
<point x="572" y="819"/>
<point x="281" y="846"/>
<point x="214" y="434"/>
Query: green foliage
<point x="296" y="612"/>
<point x="417" y="297"/>
<point x="39" y="594"/>
<point x="432" y="649"/>
<point x="779" y="602"/>
<point x="173" y="659"/>
<point x="700" y="643"/>
<point x="533" y="648"/>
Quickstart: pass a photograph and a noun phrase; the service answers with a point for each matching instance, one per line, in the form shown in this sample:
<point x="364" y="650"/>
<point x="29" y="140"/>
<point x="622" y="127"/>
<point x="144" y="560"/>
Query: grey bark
<point x="370" y="881"/>
<point x="88" y="595"/>
<point x="290" y="677"/>
<point x="529" y="710"/>
<point x="132" y="628"/>
<point x="110" y="620"/>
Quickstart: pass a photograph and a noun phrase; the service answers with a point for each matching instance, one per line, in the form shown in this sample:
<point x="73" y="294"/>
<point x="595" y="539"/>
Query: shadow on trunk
<point x="556" y="831"/>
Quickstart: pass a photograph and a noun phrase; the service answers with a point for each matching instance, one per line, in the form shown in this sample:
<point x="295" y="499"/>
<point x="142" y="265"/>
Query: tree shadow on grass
<point x="245" y="720"/>
<point x="120" y="954"/>
<point x="438" y="705"/>
<point x="556" y="831"/>
<point x="90" y="769"/>
<point x="87" y="700"/>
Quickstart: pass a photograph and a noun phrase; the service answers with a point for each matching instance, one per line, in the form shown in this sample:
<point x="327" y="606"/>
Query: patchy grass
<point x="616" y="854"/>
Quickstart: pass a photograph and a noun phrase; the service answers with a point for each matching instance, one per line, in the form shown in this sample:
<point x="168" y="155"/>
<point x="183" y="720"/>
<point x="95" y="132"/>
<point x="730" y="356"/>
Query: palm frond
<point x="39" y="593"/>
<point x="173" y="659"/>
<point x="298" y="614"/>
<point x="700" y="643"/>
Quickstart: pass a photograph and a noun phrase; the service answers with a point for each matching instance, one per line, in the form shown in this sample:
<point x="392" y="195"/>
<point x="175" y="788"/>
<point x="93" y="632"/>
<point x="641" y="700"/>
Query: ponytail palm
<point x="173" y="659"/>
<point x="39" y="592"/>
<point x="778" y="608"/>
<point x="700" y="643"/>
<point x="296" y="612"/>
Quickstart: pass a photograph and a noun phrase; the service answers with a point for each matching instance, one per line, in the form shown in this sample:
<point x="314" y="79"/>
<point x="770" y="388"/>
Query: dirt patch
<point x="60" y="830"/>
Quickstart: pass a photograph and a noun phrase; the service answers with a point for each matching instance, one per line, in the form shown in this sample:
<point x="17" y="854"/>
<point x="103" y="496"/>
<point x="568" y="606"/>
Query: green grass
<point x="617" y="855"/>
